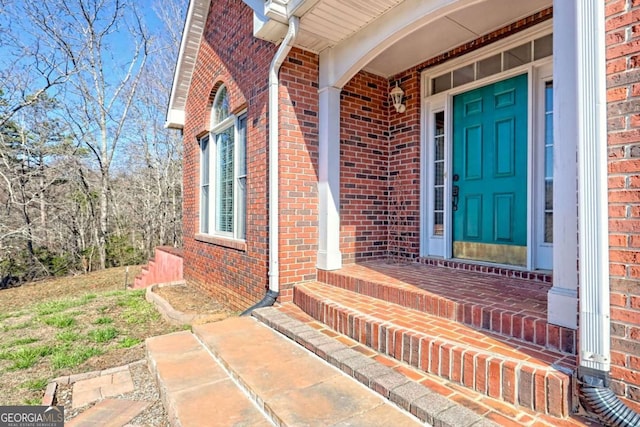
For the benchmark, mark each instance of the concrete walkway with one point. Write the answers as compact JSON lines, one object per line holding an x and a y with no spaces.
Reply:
{"x":239,"y":372}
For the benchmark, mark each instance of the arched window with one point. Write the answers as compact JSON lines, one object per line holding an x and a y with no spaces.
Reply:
{"x":223,"y":171}
{"x":220,"y":106}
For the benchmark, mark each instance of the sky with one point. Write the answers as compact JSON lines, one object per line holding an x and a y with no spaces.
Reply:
{"x":16,"y":29}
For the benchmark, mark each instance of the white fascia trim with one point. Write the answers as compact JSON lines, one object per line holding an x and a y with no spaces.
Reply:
{"x":256,"y":5}
{"x":175,"y":119}
{"x":344,"y":60}
{"x":277,"y":10}
{"x":191,"y":36}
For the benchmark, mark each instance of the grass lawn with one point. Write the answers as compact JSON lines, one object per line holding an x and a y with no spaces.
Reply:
{"x":70,"y":325}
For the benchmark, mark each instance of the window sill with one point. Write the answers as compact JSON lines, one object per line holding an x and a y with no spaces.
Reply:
{"x":239,"y":245}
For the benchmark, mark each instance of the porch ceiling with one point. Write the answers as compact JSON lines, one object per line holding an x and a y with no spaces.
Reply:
{"x":329,"y":22}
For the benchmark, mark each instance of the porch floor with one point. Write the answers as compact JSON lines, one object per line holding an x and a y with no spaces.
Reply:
{"x":527,"y":297}
{"x":511,"y":306}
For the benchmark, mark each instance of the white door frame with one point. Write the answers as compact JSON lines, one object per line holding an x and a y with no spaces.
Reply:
{"x":441,"y":246}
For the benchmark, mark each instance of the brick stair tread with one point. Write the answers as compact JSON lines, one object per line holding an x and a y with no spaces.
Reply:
{"x":518,"y":372}
{"x":448,"y":331}
{"x":507,"y":306}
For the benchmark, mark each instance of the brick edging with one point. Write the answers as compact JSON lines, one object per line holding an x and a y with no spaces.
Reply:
{"x":50,"y":391}
{"x":534,"y":276}
{"x":167,"y":311}
{"x":413,"y":397}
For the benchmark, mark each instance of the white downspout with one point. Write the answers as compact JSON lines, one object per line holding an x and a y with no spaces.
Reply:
{"x":274,"y":101}
{"x":592,"y":188}
{"x":595,"y":318}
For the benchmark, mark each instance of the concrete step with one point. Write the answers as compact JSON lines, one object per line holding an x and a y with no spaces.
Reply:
{"x":449,"y":404}
{"x":195,"y":390}
{"x":241,"y":372}
{"x":519,"y":373}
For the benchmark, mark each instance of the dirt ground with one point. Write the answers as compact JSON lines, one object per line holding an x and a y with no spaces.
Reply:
{"x":189,"y":300}
{"x":112,"y":279}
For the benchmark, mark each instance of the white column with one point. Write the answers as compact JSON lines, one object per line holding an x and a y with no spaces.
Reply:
{"x":329,"y":256}
{"x":563,"y":296}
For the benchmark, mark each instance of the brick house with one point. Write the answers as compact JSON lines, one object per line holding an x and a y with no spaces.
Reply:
{"x":490,"y":171}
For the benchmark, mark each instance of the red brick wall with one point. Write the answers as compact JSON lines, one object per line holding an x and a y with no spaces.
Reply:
{"x":298,"y":157}
{"x":364,"y":184}
{"x":623,"y":110}
{"x":404,"y":170}
{"x":229,"y":54}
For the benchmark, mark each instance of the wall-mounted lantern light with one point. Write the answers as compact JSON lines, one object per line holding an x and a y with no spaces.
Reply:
{"x":396,"y":95}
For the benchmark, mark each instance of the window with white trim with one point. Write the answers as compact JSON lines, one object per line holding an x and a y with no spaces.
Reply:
{"x":525,"y":53}
{"x":223,"y":172}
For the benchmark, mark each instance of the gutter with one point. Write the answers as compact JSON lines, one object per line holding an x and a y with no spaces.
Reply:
{"x":274,"y":141}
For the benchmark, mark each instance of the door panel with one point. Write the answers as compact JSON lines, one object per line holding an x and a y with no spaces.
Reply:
{"x":490,"y":163}
{"x":473,"y":214}
{"x":505,"y":150}
{"x":503,"y":214}
{"x":473,"y":152}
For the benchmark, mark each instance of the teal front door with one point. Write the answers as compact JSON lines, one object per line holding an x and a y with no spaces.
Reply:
{"x":490,"y":173}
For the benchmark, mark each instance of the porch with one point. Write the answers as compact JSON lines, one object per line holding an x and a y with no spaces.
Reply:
{"x":484,"y":328}
{"x":505,"y":301}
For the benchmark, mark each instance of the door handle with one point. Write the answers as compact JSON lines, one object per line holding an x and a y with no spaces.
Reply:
{"x":455,"y":190}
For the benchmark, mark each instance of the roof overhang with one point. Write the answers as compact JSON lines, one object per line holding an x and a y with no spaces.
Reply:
{"x":189,"y":47}
{"x":337,"y":28}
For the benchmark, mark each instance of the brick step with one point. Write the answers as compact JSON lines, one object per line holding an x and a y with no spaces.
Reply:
{"x":460,"y":264}
{"x":510,"y":306}
{"x":137,"y":281}
{"x":517,"y":372}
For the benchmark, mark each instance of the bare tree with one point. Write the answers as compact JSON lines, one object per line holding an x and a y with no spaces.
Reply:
{"x":156,"y":196}
{"x":108,"y":44}
{"x":32,"y":66}
{"x":89,"y":177}
{"x":34,"y":154}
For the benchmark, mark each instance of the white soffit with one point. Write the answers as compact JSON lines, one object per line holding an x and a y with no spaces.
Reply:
{"x":450,"y":31}
{"x":331,"y":21}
